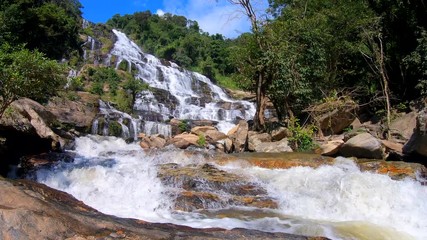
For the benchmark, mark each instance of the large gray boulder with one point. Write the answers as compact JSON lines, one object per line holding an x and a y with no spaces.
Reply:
{"x":255,"y":138}
{"x":363,"y":146}
{"x":418,"y":141}
{"x":403,"y":126}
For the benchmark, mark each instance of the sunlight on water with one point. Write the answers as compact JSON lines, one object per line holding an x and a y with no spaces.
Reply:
{"x":336,"y":201}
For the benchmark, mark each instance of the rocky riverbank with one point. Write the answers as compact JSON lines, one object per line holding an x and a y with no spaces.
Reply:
{"x":29,"y":210}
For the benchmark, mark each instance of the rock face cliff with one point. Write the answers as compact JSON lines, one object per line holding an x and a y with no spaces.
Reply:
{"x":30,"y":210}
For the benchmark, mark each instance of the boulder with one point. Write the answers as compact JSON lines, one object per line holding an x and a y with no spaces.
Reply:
{"x":330,"y":148}
{"x":29,"y":118}
{"x":228,"y":145}
{"x":333,"y":117}
{"x":78,"y":114}
{"x":184,"y":140}
{"x":30,"y":210}
{"x":397,"y":170}
{"x":239,"y":136}
{"x":418,"y":141}
{"x":211,"y":133}
{"x":280,"y":146}
{"x":363,"y":146}
{"x":403,"y":126}
{"x":153,"y":141}
{"x":280,"y":133}
{"x":255,"y":138}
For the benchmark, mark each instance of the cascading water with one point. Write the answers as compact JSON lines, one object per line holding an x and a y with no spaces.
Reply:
{"x":180,"y":94}
{"x":338,"y":201}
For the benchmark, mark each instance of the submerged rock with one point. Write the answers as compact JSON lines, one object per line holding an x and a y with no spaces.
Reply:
{"x":30,"y":210}
{"x":207,"y":187}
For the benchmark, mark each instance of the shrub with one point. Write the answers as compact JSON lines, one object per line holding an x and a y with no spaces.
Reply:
{"x":302,"y":138}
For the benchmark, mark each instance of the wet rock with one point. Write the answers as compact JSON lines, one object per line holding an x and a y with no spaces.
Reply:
{"x":277,"y":160}
{"x":206,"y":187}
{"x":30,"y":210}
{"x":395,"y":169}
{"x":228,"y":145}
{"x":363,"y":146}
{"x":29,"y":163}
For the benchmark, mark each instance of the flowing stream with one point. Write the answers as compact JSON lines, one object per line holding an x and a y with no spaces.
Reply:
{"x":338,"y":201}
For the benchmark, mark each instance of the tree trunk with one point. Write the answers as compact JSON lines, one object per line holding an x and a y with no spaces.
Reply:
{"x":386,"y":89}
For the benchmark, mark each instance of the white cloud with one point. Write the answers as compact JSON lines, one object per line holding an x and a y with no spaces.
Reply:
{"x":160,"y":12}
{"x":214,"y":16}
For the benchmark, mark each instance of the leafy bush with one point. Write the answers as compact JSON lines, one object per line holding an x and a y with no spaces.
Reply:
{"x":202,"y":140}
{"x":114,"y":129}
{"x":302,"y":138}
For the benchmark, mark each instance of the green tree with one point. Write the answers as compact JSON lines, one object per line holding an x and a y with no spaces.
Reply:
{"x":133,"y":87}
{"x":26,"y":73}
{"x":50,"y":26}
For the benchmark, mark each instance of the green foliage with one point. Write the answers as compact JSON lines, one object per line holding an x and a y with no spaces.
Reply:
{"x":50,"y":26}
{"x":76,"y":84}
{"x":302,"y":138}
{"x":183,"y":125}
{"x":114,"y":129}
{"x":202,"y":140}
{"x":26,"y":73}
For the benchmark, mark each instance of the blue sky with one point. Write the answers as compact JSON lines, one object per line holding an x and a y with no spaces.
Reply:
{"x":213,"y":16}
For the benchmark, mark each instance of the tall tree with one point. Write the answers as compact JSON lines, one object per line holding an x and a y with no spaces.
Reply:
{"x":26,"y":73}
{"x":259,"y":73}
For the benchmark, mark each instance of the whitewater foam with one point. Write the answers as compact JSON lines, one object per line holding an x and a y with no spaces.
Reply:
{"x":339,"y":201}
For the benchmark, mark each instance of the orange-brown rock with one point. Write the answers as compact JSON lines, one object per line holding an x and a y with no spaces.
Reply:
{"x":396,"y":170}
{"x":278,"y":160}
{"x":197,"y":187}
{"x":211,"y":133}
{"x":30,"y":210}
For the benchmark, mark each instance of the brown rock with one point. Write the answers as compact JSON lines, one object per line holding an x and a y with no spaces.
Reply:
{"x":211,"y":133}
{"x":206,"y":187}
{"x":280,"y":133}
{"x":396,"y":170}
{"x":228,"y":145}
{"x":278,"y":160}
{"x":33,"y":211}
{"x":78,"y":113}
{"x":239,"y":136}
{"x":31,"y":118}
{"x":331,"y":148}
{"x":334,"y":116}
{"x":183,"y":140}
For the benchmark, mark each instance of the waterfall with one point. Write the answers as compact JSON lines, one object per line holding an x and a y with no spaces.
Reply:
{"x":337,"y":201}
{"x":180,"y":93}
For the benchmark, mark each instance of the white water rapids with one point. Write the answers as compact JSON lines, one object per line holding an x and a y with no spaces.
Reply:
{"x":338,"y":201}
